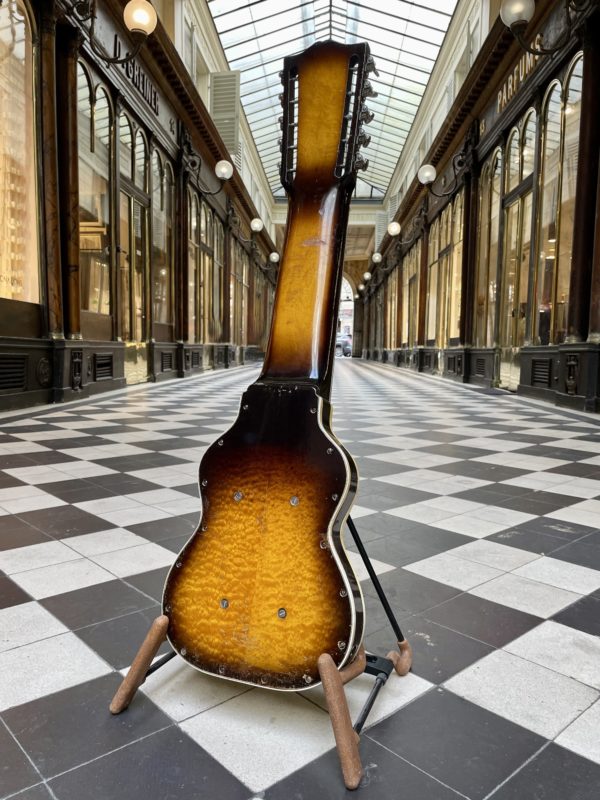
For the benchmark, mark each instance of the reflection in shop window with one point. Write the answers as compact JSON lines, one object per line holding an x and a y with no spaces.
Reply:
{"x":570,"y":155}
{"x":391,"y":320}
{"x":410,"y":294}
{"x":487,"y":255}
{"x":455,"y":286}
{"x":125,"y":147}
{"x":162,"y":239}
{"x":19,"y":224}
{"x":193,"y":264}
{"x":94,"y":125}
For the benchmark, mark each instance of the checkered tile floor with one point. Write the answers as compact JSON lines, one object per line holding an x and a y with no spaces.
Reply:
{"x":481,"y":513}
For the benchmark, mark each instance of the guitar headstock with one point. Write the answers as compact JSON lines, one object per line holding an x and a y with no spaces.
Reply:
{"x":324,"y":113}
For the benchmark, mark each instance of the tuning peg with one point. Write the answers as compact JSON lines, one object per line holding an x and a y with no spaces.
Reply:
{"x":361,"y":163}
{"x":365,"y":114}
{"x":368,"y":90}
{"x":370,"y":66}
{"x":363,"y":138}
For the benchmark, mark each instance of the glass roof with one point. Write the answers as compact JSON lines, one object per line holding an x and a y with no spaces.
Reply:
{"x":404,"y":40}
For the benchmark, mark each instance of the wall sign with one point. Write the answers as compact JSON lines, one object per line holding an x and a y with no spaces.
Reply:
{"x":138,"y":78}
{"x":517,"y":77}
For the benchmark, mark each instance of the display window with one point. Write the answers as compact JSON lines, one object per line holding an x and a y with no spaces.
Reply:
{"x":19,"y":215}
{"x":94,"y":133}
{"x":163,"y":251}
{"x":410,"y":294}
{"x":488,"y":230}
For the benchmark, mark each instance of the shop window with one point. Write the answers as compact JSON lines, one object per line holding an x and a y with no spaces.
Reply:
{"x":391,"y":316}
{"x":19,"y":221}
{"x":410,"y":294}
{"x":548,"y":215}
{"x":432,"y":283}
{"x":238,"y":299}
{"x":125,"y":147}
{"x":455,"y":274}
{"x":141,"y":162}
{"x":487,"y":256}
{"x":193,"y":265}
{"x":570,"y":154}
{"x":528,"y":145}
{"x":94,"y":133}
{"x":162,"y":239}
{"x":513,"y":161}
{"x":218,"y":275}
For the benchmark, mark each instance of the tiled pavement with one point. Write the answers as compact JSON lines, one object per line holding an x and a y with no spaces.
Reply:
{"x":481,"y":513}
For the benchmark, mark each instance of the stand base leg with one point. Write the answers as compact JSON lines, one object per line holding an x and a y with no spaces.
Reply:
{"x":346,"y":738}
{"x":137,"y":672}
{"x":402,"y":661}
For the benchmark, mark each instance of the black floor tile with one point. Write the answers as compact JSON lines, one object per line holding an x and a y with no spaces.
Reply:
{"x":381,"y":502}
{"x":118,"y":640}
{"x":386,"y":777}
{"x":64,"y":521}
{"x":438,"y":652}
{"x":96,"y":603}
{"x":395,"y":496}
{"x":16,"y":771}
{"x":455,"y":450}
{"x":409,"y":593}
{"x":373,"y":468}
{"x":538,"y":503}
{"x":534,"y":541}
{"x":159,"y":529}
{"x":586,"y":555}
{"x":175,"y":544}
{"x":414,"y":544}
{"x":562,"y":453}
{"x":578,"y":470}
{"x":459,"y":743}
{"x":479,"y":469}
{"x":79,"y":491}
{"x":555,"y":527}
{"x":555,"y":774}
{"x":124,"y":484}
{"x":7,"y":481}
{"x":165,"y":766}
{"x":49,"y":456}
{"x":63,"y":716}
{"x":17,"y":460}
{"x":583,"y":615}
{"x":14,"y":532}
{"x":190,"y":488}
{"x":10,"y":593}
{"x":382,"y":524}
{"x":39,"y":792}
{"x":483,"y":620}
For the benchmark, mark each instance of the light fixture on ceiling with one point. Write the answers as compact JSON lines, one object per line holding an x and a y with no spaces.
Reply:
{"x":517,"y":14}
{"x":427,"y":175}
{"x":140,"y":20}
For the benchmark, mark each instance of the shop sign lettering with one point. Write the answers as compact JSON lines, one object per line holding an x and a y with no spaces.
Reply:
{"x":139,"y":79}
{"x":521,"y":71}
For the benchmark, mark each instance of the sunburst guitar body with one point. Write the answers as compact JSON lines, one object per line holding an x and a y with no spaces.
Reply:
{"x":264,"y":586}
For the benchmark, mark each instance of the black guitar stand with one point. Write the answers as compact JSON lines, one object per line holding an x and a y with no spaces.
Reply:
{"x":332,"y":679}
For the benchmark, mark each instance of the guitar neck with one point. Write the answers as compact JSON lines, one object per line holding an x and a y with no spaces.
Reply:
{"x":302,"y":340}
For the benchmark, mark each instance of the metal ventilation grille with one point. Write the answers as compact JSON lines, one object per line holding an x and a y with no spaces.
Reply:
{"x":540,"y":372}
{"x":103,"y":366}
{"x":166,"y":361}
{"x":13,"y":372}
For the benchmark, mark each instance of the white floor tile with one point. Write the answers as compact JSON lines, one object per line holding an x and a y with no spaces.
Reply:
{"x":42,"y":668}
{"x":182,"y":691}
{"x":563,"y":649}
{"x":91,"y":544}
{"x":167,"y":476}
{"x":453,"y":571}
{"x":469,"y":525}
{"x":521,"y":461}
{"x":526,"y":595}
{"x":360,"y":570}
{"x":561,"y":574}
{"x":585,"y":513}
{"x":34,"y":556}
{"x":493,"y":554}
{"x":396,"y":694}
{"x":107,"y":504}
{"x":61,"y":578}
{"x":134,"y":516}
{"x":26,"y":623}
{"x":499,"y":445}
{"x":361,"y":511}
{"x":32,"y":503}
{"x":421,"y":512}
{"x":414,"y":458}
{"x":261,"y":737}
{"x":582,"y":735}
{"x":135,"y":559}
{"x":530,"y":695}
